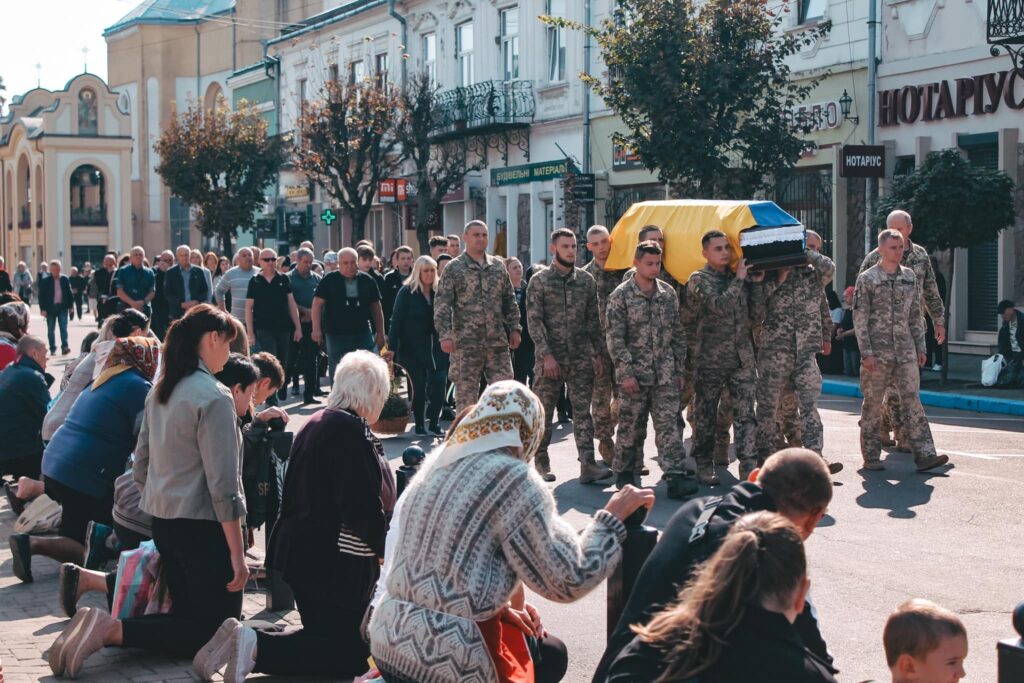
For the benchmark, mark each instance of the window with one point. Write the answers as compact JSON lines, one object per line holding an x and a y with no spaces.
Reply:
{"x":556,"y":43}
{"x":430,"y":56}
{"x":380,"y":69}
{"x":464,"y":52}
{"x":332,"y":72}
{"x":356,"y":71}
{"x":812,"y":9}
{"x":88,"y":196}
{"x":302,"y":96}
{"x":510,"y":43}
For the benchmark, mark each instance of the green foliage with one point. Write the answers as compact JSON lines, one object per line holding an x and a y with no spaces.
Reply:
{"x":703,"y":90}
{"x":953,"y":203}
{"x":221,"y":162}
{"x":3,"y":88}
{"x":347,"y":144}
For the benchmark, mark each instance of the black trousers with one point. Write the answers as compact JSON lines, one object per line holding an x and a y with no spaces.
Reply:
{"x":427,"y":387}
{"x":303,"y":359}
{"x":197,"y":567}
{"x":27,"y":466}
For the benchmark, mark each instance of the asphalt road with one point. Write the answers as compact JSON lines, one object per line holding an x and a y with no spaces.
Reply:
{"x":954,"y":537}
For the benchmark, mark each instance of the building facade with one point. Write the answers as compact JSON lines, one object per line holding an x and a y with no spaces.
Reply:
{"x":65,"y":162}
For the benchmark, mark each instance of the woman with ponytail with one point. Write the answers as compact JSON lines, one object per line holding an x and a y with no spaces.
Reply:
{"x":733,"y":621}
{"x":187,"y":466}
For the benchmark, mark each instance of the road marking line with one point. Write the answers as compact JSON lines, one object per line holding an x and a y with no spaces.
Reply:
{"x":983,"y":456}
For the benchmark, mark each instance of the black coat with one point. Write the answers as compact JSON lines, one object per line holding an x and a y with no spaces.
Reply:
{"x":674,"y":558}
{"x":25,"y":391}
{"x":46,"y":295}
{"x":1004,"y":337}
{"x":411,"y":335}
{"x":392,"y":284}
{"x":5,"y":282}
{"x":174,"y":289}
{"x":764,"y":647}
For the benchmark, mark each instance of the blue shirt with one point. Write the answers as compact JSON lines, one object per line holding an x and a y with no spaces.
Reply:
{"x":186,"y":275}
{"x":90,"y":450}
{"x":137,"y":283}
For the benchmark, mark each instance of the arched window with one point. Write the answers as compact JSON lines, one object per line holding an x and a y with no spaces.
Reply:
{"x":214,"y":95}
{"x":88,"y":196}
{"x":87,"y":112}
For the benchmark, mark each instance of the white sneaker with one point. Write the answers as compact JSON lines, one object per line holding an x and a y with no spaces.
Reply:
{"x":243,"y":655}
{"x":213,"y":656}
{"x":936,"y":368}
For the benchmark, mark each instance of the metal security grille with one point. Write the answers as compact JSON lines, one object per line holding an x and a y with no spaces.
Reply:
{"x":178,"y":212}
{"x":983,"y":260}
{"x":92,"y":253}
{"x":807,"y":196}
{"x":623,"y":198}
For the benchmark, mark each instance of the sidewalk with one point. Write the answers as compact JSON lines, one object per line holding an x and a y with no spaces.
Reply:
{"x":956,"y":393}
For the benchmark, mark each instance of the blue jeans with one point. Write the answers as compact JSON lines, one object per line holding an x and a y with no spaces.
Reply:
{"x":340,"y":344}
{"x":52,"y":319}
{"x":851,"y":362}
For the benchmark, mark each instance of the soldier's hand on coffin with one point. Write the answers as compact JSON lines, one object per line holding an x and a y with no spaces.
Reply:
{"x":742,"y":269}
{"x":550,"y":367}
{"x":630,"y":385}
{"x":783,"y":274}
{"x":598,"y":366}
{"x":514,"y":340}
{"x":757,"y":276}
{"x":870,"y":363}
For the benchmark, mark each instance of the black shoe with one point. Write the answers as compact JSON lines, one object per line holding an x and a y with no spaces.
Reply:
{"x":17,"y":504}
{"x":320,"y":392}
{"x":311,"y":400}
{"x":680,"y":487}
{"x":282,"y":394}
{"x":67,"y":580}
{"x":436,"y":430}
{"x":295,"y":390}
{"x":21,"y":556}
{"x":625,"y":477}
{"x":65,"y":351}
{"x":420,"y":430}
{"x":447,"y":414}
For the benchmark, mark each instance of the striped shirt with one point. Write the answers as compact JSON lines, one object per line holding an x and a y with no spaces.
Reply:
{"x":236,"y":281}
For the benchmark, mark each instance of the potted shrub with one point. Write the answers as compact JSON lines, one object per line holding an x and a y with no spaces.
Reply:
{"x":395,"y":415}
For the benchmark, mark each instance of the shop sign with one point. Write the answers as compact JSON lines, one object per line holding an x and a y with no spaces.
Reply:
{"x":817,"y":117}
{"x":391,"y":190}
{"x":862,"y":161}
{"x":296,"y":192}
{"x":625,"y":159}
{"x":949,"y":99}
{"x":583,"y":186}
{"x":456,"y":194}
{"x":528,"y":173}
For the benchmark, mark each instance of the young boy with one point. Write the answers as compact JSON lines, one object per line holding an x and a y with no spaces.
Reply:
{"x":925,"y":643}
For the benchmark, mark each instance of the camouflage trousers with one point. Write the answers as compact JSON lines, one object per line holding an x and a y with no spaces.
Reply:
{"x":777,"y":370}
{"x":709,"y":386}
{"x":469,"y":363}
{"x":787,"y":424}
{"x":907,"y":381}
{"x":601,"y":401}
{"x":578,"y":377}
{"x":892,"y":415}
{"x":661,"y":402}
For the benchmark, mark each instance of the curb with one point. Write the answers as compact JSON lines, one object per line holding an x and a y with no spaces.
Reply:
{"x":936,"y":399}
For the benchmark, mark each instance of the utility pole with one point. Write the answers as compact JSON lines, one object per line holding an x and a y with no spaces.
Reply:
{"x":872,"y":198}
{"x":587,"y":46}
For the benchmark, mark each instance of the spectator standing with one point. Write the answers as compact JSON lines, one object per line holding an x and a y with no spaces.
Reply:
{"x":1011,"y":332}
{"x":44,"y":272}
{"x":55,"y":299}
{"x":454,"y":245}
{"x":235,"y":284}
{"x":330,"y":262}
{"x":347,"y":313}
{"x":438,"y":244}
{"x":78,"y":285}
{"x":413,"y":340}
{"x":847,"y":336}
{"x":135,"y":284}
{"x":104,"y":279}
{"x":185,"y":285}
{"x":212,"y":263}
{"x":22,"y":282}
{"x":223,"y":266}
{"x":306,"y":352}
{"x":393,"y":281}
{"x":442,"y":262}
{"x":523,"y":357}
{"x":14,"y":319}
{"x":196,"y":259}
{"x":5,"y":278}
{"x":161,"y":317}
{"x":367,"y":261}
{"x":271,"y":316}
{"x":24,"y":385}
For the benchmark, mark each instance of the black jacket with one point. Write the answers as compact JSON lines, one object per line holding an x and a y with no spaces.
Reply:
{"x":389,"y":292}
{"x":174,"y":289}
{"x":24,"y":388}
{"x":764,"y":647}
{"x":674,"y":558}
{"x":46,"y":295}
{"x":1004,"y":337}
{"x":5,"y":282}
{"x":411,"y":334}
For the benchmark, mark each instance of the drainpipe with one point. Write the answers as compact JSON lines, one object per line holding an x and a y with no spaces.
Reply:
{"x":199,"y":95}
{"x":405,"y":37}
{"x":872,"y":197}
{"x":272,"y":69}
{"x":234,"y":39}
{"x":586,"y":109}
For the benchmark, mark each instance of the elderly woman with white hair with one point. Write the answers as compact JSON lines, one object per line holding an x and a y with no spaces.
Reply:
{"x":328,"y":542}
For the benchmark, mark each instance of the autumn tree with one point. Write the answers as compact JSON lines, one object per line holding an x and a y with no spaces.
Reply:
{"x":221,"y":162}
{"x":348,"y":143}
{"x":703,"y":90}
{"x":438,"y":165}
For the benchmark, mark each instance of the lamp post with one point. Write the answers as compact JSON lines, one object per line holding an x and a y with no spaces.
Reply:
{"x":1005,"y":23}
{"x":845,"y":101}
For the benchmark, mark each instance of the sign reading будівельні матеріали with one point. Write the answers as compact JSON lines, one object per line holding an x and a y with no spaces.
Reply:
{"x":528,"y":173}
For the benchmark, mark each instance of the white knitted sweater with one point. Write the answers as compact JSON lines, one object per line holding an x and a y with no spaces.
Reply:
{"x":468,"y":533}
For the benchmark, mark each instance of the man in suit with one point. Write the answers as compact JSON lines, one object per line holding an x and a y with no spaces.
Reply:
{"x":159,"y":322}
{"x":184,"y":285}
{"x":55,"y":299}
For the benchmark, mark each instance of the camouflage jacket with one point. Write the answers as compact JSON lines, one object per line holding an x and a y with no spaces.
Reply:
{"x":645,"y":334}
{"x":607,"y":281}
{"x":887,"y":315}
{"x":724,"y":339}
{"x":475,"y":304}
{"x":561,"y":312}
{"x":792,"y":310}
{"x":916,"y":258}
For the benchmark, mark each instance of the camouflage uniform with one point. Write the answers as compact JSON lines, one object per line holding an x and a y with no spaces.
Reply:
{"x":474,"y":307}
{"x":889,"y":326}
{"x":916,"y":258}
{"x":604,"y":386}
{"x":725,"y":362}
{"x":789,"y":417}
{"x":561,"y":311}
{"x":647,"y":343}
{"x":787,"y":355}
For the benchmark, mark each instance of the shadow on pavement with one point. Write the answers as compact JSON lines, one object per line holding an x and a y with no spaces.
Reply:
{"x":897,"y":490}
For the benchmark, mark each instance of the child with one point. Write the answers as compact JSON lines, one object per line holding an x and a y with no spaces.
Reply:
{"x":925,"y":643}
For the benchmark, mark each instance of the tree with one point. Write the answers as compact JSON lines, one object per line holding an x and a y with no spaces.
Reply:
{"x":438,"y":166}
{"x":221,"y":162}
{"x":953,"y":204}
{"x":3,"y":88}
{"x":347,"y":144}
{"x":703,"y":90}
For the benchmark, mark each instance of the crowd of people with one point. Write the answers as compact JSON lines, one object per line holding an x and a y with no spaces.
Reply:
{"x":157,"y":437}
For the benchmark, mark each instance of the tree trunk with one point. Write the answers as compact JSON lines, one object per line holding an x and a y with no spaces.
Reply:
{"x":359,"y":215}
{"x":225,"y":243}
{"x":944,"y":349}
{"x":424,"y":207}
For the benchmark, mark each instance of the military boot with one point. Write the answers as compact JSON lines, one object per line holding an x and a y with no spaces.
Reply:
{"x":721,"y":458}
{"x":747,"y":468}
{"x":606,"y":447}
{"x":833,"y":467}
{"x":592,"y":472}
{"x":543,"y":464}
{"x":706,"y":474}
{"x":626,"y":477}
{"x":680,"y":487}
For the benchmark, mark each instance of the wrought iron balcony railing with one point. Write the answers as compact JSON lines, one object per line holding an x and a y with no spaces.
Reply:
{"x":483,"y":108}
{"x":1006,"y":30}
{"x":89,"y":215}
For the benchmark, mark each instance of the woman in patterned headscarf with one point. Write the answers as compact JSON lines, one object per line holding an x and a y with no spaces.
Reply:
{"x":90,"y":450}
{"x":13,"y":326}
{"x":476,"y":524}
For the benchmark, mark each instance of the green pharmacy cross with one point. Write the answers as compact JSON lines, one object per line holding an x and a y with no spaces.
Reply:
{"x":328,"y":217}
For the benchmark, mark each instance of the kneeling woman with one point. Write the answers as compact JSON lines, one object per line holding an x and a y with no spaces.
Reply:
{"x":733,"y":622}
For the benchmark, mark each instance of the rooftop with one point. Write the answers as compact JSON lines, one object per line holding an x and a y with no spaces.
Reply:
{"x":171,"y":12}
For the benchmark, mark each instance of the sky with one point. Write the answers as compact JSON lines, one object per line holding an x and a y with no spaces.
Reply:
{"x":52,"y":33}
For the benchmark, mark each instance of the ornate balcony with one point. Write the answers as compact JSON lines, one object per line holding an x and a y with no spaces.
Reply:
{"x":495,"y":113}
{"x":1006,"y":28}
{"x":89,"y":216}
{"x":25,"y":219}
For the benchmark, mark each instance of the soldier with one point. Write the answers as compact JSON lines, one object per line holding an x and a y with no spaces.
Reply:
{"x":788,"y":421}
{"x":791,"y":337}
{"x":473,"y":307}
{"x":561,"y":310}
{"x":916,"y":258}
{"x":648,"y":347}
{"x":599,"y":244}
{"x":890,"y":332}
{"x":726,"y":357}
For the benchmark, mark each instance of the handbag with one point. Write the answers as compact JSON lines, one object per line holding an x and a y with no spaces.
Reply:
{"x":990,"y":369}
{"x":140,"y":588}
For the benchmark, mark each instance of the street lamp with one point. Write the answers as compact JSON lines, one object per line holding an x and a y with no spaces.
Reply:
{"x":844,"y":106}
{"x":1006,"y":29}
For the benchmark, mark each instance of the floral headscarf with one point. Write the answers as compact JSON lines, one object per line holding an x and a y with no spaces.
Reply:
{"x":14,"y":317}
{"x":130,"y":353}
